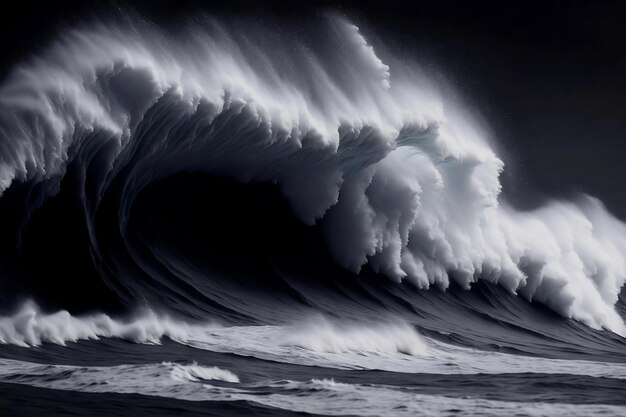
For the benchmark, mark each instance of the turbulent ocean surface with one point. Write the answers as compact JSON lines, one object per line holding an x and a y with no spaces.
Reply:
{"x":236,"y":218}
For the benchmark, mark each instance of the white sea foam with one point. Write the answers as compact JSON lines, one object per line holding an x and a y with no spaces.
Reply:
{"x":318,"y":396}
{"x":391,"y":346}
{"x":197,"y":373}
{"x":324,"y":336}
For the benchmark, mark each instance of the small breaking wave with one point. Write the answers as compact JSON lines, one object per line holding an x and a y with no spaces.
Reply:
{"x":324,"y":336}
{"x":198,"y":373}
{"x":30,"y":327}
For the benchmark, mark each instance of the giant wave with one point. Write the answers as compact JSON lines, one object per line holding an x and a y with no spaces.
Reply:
{"x":398,"y":182}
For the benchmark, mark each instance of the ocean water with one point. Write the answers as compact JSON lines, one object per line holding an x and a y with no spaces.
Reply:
{"x":238,"y":219}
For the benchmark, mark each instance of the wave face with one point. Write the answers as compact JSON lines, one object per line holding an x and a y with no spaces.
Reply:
{"x":257,"y":177}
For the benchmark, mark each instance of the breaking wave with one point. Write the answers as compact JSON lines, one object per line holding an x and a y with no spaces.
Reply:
{"x":324,"y":336}
{"x":197,"y":373}
{"x":228,"y":176}
{"x":29,"y":327}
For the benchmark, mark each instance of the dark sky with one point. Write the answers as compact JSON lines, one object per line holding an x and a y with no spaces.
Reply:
{"x":549,"y":78}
